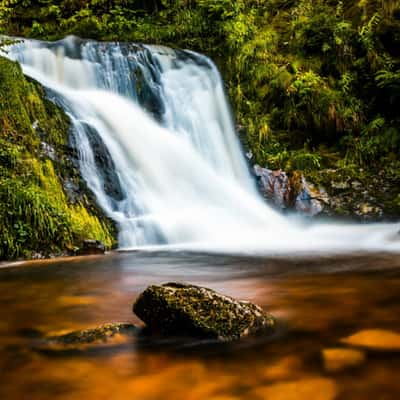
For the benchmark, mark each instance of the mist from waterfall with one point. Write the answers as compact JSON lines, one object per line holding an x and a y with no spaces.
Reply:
{"x":175,"y":174}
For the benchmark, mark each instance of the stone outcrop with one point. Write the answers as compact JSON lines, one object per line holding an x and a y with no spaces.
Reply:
{"x":179,"y":309}
{"x":289,"y":192}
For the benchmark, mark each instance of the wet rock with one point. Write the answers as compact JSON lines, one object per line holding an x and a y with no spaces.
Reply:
{"x":366,"y":209}
{"x":98,"y":335}
{"x":275,"y":186}
{"x":37,"y":256}
{"x":340,"y":185}
{"x":72,"y":190}
{"x":92,"y":247}
{"x":339,"y":359}
{"x":149,"y":95}
{"x":292,"y":192}
{"x":187,"y":310}
{"x":48,"y":151}
{"x":105,"y":165}
{"x":310,"y":200}
{"x":375,"y":339}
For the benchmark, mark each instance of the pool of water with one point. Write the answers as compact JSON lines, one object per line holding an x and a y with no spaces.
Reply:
{"x":318,"y":302}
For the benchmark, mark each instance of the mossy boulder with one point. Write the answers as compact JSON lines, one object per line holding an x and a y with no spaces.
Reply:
{"x":179,"y":309}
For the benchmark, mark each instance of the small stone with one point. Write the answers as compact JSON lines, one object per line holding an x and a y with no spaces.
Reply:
{"x":37,"y":256}
{"x":100,"y":334}
{"x":186,"y":310}
{"x":375,"y":339}
{"x":356,"y":185}
{"x":340,"y":185}
{"x":366,"y":208}
{"x":49,"y":151}
{"x":339,"y":359}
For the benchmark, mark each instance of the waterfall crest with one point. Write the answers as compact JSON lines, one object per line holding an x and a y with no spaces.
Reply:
{"x":157,"y":147}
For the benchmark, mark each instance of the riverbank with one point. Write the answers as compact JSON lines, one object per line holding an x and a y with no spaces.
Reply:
{"x":52,"y":260}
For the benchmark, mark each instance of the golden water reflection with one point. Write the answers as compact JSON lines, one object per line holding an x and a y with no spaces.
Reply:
{"x":338,"y":335}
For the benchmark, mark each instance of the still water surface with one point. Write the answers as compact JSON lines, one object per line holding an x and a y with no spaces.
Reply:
{"x":318,"y":302}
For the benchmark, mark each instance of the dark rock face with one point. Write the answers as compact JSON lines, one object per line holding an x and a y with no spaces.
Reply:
{"x":105,"y":164}
{"x":91,"y":247}
{"x":289,"y":192}
{"x":186,"y":310}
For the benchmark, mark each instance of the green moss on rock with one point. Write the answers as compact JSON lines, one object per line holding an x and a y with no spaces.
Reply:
{"x":187,"y":310}
{"x":360,"y":194}
{"x":36,"y":214}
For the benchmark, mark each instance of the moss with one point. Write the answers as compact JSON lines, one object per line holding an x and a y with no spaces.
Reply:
{"x":36,"y":215}
{"x":358,"y":193}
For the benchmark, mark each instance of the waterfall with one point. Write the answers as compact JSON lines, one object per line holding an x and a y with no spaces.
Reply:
{"x":158,"y":148}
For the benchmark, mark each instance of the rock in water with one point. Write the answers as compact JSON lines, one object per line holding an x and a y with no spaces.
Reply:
{"x":188,"y":310}
{"x":100,"y":334}
{"x":92,"y":247}
{"x":290,"y":192}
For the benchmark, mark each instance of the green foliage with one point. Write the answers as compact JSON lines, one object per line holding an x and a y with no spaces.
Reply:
{"x":35,"y":214}
{"x":30,"y":220}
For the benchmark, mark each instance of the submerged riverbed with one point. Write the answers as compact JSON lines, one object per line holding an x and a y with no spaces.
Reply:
{"x":317,"y":301}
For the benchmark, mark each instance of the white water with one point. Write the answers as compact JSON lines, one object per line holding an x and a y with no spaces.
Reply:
{"x":184,"y":179}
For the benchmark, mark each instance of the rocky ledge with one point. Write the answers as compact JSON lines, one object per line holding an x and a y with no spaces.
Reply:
{"x":357,"y":195}
{"x":106,"y":334}
{"x":179,"y":309}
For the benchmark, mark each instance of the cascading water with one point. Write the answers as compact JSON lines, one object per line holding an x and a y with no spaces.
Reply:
{"x":157,"y":146}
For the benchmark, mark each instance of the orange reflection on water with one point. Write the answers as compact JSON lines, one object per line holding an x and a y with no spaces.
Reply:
{"x":337,"y":337}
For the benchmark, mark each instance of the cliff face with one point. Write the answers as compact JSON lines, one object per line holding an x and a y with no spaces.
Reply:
{"x":45,"y":207}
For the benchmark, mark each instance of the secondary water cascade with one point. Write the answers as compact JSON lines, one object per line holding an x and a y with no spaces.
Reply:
{"x":158,"y":148}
